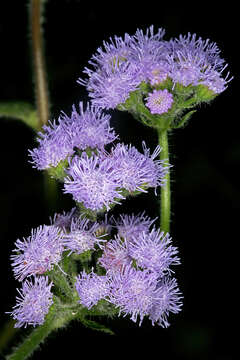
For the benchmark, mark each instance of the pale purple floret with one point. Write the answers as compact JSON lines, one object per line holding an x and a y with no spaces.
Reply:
{"x":83,"y":129}
{"x":38,"y":253}
{"x":153,"y":251}
{"x":92,"y":181}
{"x":196,"y":61}
{"x":91,"y":288}
{"x":137,"y":171}
{"x":133,"y":292}
{"x":168,"y":299}
{"x":115,"y":255}
{"x":157,"y":73}
{"x":82,"y":236}
{"x":159,"y":101}
{"x":130,"y":226}
{"x":112,"y":84}
{"x":33,"y":302}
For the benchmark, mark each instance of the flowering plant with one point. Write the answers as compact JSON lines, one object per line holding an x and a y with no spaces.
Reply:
{"x":87,"y":262}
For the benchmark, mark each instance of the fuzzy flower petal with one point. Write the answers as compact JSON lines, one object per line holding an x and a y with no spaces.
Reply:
{"x":133,"y":292}
{"x":83,"y":129}
{"x":153,"y":251}
{"x":168,"y":299}
{"x":130,"y":226}
{"x":37,"y":253}
{"x":81,"y":236}
{"x":92,"y":182}
{"x":137,"y":171}
{"x":91,"y":288}
{"x":33,"y":302}
{"x":115,"y":255}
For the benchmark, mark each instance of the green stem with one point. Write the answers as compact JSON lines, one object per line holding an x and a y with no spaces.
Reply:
{"x":39,"y":70}
{"x":165,"y":201}
{"x":54,"y":320}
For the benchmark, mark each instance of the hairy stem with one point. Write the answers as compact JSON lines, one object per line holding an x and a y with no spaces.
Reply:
{"x":39,"y":70}
{"x":54,"y":320}
{"x":165,"y":201}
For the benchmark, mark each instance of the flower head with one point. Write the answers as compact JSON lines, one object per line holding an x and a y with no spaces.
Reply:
{"x":81,"y":236}
{"x":37,"y":253}
{"x":115,"y":255}
{"x":133,"y":291}
{"x":136,"y":171}
{"x":33,"y":302}
{"x":196,"y":61}
{"x":83,"y":129}
{"x":159,"y":101}
{"x":91,"y":288}
{"x":168,"y":299}
{"x":153,"y":251}
{"x":112,"y":84}
{"x":92,"y":181}
{"x":130,"y":226}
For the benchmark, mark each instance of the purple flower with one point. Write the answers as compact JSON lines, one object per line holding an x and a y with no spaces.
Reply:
{"x":133,"y":291}
{"x":88,"y":128}
{"x":159,"y":101}
{"x":196,"y":61}
{"x":157,"y":73}
{"x":115,"y":255}
{"x":92,"y":181}
{"x":91,"y":288}
{"x":130,"y":226}
{"x":38,"y":253}
{"x":138,"y":171}
{"x":112,"y":84}
{"x":82,"y":236}
{"x":168,"y":298}
{"x":153,"y":251}
{"x":148,"y":52}
{"x":33,"y":302}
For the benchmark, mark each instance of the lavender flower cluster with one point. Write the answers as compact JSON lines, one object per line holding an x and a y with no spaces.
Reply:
{"x":123,"y":65}
{"x":135,"y":267}
{"x":94,"y":177}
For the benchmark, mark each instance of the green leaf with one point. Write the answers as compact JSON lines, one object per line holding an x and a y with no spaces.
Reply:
{"x":95,"y":326}
{"x":20,"y":111}
{"x":184,"y":120}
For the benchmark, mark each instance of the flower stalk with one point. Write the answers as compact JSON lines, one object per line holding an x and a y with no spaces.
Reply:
{"x":39,"y":69}
{"x":165,"y":200}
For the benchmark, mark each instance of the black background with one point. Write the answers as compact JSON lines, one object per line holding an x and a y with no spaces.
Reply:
{"x":205,"y":157}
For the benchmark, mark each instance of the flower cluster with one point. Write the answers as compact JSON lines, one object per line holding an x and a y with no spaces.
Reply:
{"x":164,"y":69}
{"x":87,"y":128}
{"x":137,"y":276}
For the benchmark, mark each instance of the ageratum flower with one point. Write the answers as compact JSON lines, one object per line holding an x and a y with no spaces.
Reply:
{"x":138,"y":171}
{"x":159,"y":101}
{"x":38,"y":253}
{"x":33,"y":302}
{"x":133,"y":291}
{"x":122,"y":65}
{"x":91,"y":288}
{"x":130,"y":226}
{"x":115,"y":255}
{"x":83,"y":129}
{"x":153,"y":251}
{"x":112,"y":84}
{"x":168,"y":299}
{"x":82,"y":236}
{"x":92,"y":181}
{"x":196,"y":61}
